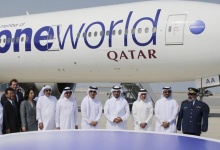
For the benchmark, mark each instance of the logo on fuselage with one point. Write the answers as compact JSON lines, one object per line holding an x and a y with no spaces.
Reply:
{"x":197,"y":27}
{"x":42,"y":43}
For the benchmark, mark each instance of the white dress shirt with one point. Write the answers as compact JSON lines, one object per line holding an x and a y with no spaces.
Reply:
{"x":142,"y":111}
{"x":166,"y":110}
{"x":46,"y":108}
{"x":116,"y":108}
{"x":91,"y":110}
{"x":66,"y":113}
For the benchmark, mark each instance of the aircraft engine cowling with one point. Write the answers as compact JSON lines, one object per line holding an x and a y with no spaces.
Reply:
{"x":57,"y":88}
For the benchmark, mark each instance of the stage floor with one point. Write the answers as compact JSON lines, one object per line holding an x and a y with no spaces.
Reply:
{"x":104,"y":140}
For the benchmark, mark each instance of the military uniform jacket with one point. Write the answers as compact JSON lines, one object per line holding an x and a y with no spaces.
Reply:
{"x":193,"y":118}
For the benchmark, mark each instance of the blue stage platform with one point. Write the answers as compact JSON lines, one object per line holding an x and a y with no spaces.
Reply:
{"x":104,"y":140}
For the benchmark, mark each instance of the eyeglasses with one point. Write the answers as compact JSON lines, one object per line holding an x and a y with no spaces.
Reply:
{"x":68,"y":93}
{"x":49,"y":90}
{"x":167,"y":92}
{"x":92,"y":91}
{"x":191,"y":94}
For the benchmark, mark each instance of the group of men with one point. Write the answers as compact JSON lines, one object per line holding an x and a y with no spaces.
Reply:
{"x":192,"y":116}
{"x":62,"y":114}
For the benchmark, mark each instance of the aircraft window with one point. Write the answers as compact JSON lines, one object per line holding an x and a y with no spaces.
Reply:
{"x":90,"y":34}
{"x":8,"y":40}
{"x":126,"y":31}
{"x":95,"y":33}
{"x":132,"y":31}
{"x":4,"y":40}
{"x":154,"y":30}
{"x":139,"y":30}
{"x":84,"y":34}
{"x":0,"y":40}
{"x":146,"y":30}
{"x":17,"y":40}
{"x":107,"y":33}
{"x":120,"y":32}
{"x":78,"y":35}
{"x":22,"y":39}
{"x":113,"y":32}
{"x":101,"y":33}
{"x":12,"y":40}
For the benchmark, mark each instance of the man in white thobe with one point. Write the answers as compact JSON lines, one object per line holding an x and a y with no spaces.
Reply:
{"x":91,"y":109}
{"x":46,"y":107}
{"x":66,"y":111}
{"x":116,"y":110}
{"x":1,"y":118}
{"x":142,"y":111}
{"x":166,"y":111}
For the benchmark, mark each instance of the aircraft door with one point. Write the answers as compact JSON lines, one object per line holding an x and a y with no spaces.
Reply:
{"x":175,"y":29}
{"x":53,"y":38}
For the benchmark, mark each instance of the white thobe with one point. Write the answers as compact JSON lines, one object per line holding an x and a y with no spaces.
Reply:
{"x":1,"y":118}
{"x":46,"y":108}
{"x":142,"y":111}
{"x":66,"y":113}
{"x":166,"y":110}
{"x":91,"y":110}
{"x":116,"y":108}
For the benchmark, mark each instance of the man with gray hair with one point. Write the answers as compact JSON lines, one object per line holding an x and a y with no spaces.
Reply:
{"x":116,"y":110}
{"x":46,"y":108}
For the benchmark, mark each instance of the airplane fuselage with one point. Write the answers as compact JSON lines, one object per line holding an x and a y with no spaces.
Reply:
{"x":137,"y":42}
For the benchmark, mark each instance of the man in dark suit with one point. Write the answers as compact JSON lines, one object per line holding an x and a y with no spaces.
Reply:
{"x":11,"y":117}
{"x":18,"y":95}
{"x":193,"y":115}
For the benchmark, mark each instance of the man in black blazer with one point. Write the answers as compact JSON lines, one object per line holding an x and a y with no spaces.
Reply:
{"x":193,"y":115}
{"x":11,"y":117}
{"x":18,"y":95}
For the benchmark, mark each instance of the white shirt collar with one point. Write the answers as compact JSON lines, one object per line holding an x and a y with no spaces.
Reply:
{"x":91,"y":98}
{"x":117,"y":99}
{"x":70,"y":99}
{"x":10,"y":101}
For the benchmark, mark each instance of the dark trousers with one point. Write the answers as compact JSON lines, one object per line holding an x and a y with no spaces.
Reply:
{"x":191,"y":133}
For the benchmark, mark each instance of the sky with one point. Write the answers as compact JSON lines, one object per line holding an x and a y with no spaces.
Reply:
{"x":19,"y":7}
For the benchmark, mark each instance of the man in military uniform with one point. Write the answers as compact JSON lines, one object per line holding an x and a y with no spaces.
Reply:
{"x":193,"y":115}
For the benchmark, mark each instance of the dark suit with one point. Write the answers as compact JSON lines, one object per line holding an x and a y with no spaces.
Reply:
{"x":11,"y":117}
{"x":18,"y":98}
{"x":193,"y":118}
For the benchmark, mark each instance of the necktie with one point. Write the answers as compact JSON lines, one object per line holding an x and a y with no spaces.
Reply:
{"x":13,"y":104}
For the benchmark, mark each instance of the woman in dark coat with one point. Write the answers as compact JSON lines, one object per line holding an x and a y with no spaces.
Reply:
{"x":28,"y":112}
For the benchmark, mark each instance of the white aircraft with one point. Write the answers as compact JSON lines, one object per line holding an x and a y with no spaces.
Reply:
{"x":129,"y":43}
